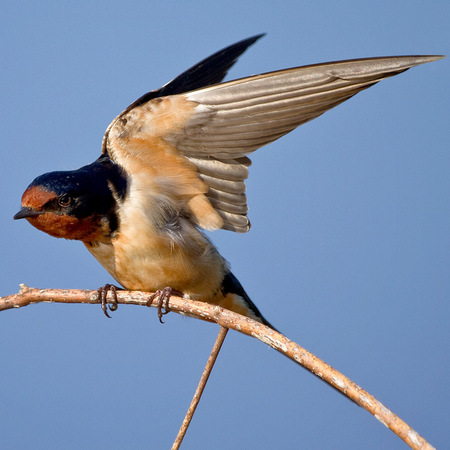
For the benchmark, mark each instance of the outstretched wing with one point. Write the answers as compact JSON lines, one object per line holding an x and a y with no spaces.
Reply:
{"x":191,"y":147}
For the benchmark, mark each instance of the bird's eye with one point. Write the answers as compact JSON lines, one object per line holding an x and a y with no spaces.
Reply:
{"x":65,"y":200}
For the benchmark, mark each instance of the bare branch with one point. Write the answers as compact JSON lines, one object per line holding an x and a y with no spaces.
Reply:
{"x":245,"y":325}
{"x":201,"y":386}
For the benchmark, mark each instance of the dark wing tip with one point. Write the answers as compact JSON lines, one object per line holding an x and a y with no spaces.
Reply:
{"x":210,"y":70}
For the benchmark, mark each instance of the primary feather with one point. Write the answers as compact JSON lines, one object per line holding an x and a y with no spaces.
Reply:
{"x":211,"y":129}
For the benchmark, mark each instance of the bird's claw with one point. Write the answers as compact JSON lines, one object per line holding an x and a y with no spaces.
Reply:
{"x":102,"y":298}
{"x":162,"y":296}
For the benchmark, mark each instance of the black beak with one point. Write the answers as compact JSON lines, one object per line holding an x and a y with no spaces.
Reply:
{"x":26,"y":212}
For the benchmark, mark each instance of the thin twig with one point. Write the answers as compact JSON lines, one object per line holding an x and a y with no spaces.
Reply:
{"x":201,"y":386}
{"x":245,"y":325}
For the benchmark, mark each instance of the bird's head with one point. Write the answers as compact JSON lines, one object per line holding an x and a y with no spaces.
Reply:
{"x":79,"y":204}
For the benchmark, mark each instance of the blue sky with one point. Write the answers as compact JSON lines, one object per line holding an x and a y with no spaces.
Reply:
{"x":349,"y":253}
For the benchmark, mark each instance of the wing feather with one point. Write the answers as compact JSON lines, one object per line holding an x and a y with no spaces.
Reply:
{"x":236,"y":118}
{"x":193,"y":146}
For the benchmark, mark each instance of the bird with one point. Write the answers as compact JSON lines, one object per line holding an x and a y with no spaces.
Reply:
{"x":174,"y":163}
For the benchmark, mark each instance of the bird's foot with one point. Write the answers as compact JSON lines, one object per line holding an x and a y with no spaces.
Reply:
{"x":102,"y":298}
{"x":162,"y":297}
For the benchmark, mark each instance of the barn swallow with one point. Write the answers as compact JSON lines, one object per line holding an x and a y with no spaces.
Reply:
{"x":175,"y":162}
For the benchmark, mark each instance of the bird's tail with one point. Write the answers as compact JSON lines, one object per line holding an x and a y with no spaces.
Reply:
{"x":241,"y":301}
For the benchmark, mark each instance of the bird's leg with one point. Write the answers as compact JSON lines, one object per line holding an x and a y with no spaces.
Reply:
{"x":163,"y":296}
{"x":103,"y":293}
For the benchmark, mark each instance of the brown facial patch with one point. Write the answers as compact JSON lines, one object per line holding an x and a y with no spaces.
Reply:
{"x":69,"y":227}
{"x":58,"y":224}
{"x":36,"y":197}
